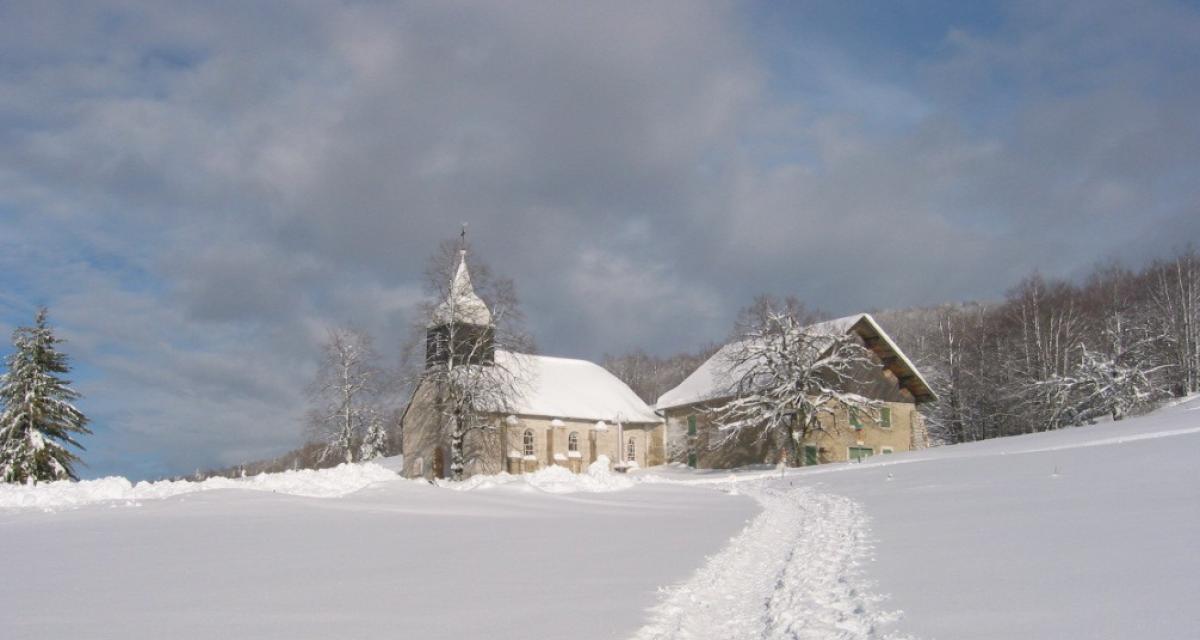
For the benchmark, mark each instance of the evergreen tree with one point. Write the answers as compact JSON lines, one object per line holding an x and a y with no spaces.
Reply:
{"x":38,"y":420}
{"x":374,"y":444}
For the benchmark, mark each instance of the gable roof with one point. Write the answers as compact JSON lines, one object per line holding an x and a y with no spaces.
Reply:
{"x":713,"y":380}
{"x":570,"y":388}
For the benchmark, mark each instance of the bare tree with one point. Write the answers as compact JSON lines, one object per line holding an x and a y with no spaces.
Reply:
{"x":346,"y":392}
{"x":1176,"y":302}
{"x":651,"y":376}
{"x":785,"y":375}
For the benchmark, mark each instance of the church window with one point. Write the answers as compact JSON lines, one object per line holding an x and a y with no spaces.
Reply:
{"x":528,"y":442}
{"x":573,"y":442}
{"x":631,"y":451}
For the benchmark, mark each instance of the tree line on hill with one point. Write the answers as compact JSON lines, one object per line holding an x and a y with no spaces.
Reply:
{"x":1057,"y":353}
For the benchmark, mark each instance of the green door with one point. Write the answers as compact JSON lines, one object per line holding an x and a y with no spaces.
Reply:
{"x":857,"y":454}
{"x":810,"y":455}
{"x":692,"y":460}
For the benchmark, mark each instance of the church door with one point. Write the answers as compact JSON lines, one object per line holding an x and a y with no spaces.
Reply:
{"x":439,"y":463}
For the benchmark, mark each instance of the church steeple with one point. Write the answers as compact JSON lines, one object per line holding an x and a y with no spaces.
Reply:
{"x":460,"y":327}
{"x":462,"y":304}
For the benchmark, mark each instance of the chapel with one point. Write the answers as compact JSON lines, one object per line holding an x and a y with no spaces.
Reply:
{"x":558,"y":411}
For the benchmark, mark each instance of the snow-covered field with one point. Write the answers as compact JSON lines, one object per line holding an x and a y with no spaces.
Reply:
{"x":1082,"y":533}
{"x":512,"y":559}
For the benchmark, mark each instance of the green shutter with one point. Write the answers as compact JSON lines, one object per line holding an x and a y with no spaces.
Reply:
{"x":854,"y":421}
{"x":691,"y":425}
{"x":692,"y":460}
{"x":810,"y":455}
{"x":885,"y":417}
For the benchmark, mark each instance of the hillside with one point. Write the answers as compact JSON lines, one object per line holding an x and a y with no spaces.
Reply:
{"x":1079,"y":533}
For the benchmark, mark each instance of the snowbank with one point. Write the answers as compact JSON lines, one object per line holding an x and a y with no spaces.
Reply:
{"x":323,"y":483}
{"x":554,"y":479}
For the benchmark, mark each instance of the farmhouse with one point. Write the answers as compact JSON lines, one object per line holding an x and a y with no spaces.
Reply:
{"x":892,"y":381}
{"x":560,"y":411}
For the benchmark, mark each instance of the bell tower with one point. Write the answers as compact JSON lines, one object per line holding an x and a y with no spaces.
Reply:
{"x":460,"y":330}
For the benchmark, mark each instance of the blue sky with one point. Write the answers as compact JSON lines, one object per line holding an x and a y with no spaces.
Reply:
{"x":197,"y":190}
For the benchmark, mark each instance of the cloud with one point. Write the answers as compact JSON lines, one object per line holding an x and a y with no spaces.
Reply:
{"x":197,"y":190}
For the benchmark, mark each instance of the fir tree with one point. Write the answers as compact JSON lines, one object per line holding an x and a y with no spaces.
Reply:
{"x":374,"y":444}
{"x":38,"y":420}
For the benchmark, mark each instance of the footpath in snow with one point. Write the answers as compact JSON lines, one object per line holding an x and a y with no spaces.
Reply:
{"x":794,"y":572}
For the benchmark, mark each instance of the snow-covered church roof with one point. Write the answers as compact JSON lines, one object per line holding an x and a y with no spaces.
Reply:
{"x":461,"y":303}
{"x":569,"y":388}
{"x":713,"y":379}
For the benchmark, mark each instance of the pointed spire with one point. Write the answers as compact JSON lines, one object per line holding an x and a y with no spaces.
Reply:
{"x":461,"y":303}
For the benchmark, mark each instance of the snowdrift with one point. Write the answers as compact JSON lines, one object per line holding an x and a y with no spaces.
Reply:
{"x":598,"y":479}
{"x":324,"y":483}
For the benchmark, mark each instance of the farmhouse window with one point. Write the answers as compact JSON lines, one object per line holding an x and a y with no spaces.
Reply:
{"x":573,"y":441}
{"x":858,"y":454}
{"x":528,"y":442}
{"x":691,"y":425}
{"x":885,"y":418}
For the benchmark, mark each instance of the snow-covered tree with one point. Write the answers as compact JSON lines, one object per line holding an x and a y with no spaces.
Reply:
{"x":785,"y":375}
{"x":38,"y":422}
{"x":345,"y":392}
{"x":1101,"y":386}
{"x":374,"y":444}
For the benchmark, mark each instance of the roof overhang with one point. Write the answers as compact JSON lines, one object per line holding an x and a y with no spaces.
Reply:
{"x":893,"y":359}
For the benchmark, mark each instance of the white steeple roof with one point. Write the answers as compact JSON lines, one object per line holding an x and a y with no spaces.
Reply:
{"x":461,"y":304}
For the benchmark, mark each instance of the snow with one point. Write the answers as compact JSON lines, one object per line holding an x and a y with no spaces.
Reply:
{"x":325,"y":483}
{"x":461,"y":303}
{"x":552,"y":479}
{"x":1078,"y":533}
{"x":563,"y":388}
{"x":396,"y":559}
{"x":793,"y":573}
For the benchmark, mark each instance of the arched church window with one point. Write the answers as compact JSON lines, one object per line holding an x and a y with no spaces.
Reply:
{"x":573,"y":442}
{"x":631,"y":451}
{"x":528,"y":442}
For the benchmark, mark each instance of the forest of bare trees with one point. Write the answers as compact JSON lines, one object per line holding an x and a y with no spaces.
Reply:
{"x":1057,"y":353}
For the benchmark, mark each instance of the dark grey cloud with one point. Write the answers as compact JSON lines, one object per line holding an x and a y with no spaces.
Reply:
{"x":199,"y":189}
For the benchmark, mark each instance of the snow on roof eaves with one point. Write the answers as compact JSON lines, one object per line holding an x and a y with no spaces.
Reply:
{"x":575,"y":389}
{"x":711,"y":381}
